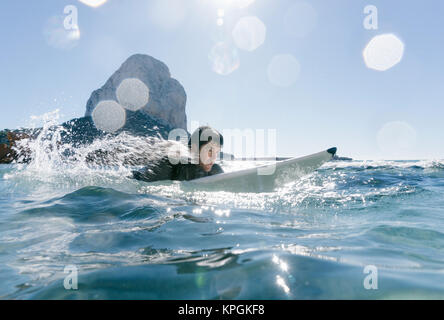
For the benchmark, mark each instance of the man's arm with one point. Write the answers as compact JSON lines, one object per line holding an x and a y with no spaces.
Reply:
{"x":161,"y":171}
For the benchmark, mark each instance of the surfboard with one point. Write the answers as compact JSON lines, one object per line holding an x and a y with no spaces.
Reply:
{"x":267,"y":177}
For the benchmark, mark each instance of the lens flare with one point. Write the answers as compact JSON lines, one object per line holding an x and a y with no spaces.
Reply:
{"x":132,"y":94}
{"x":220,"y":16}
{"x":167,"y":14}
{"x":249,"y":33}
{"x":93,"y":3}
{"x":57,"y":36}
{"x":383,"y":52}
{"x":74,"y":34}
{"x":109,"y":116}
{"x":224,"y":58}
{"x":283,"y":70}
{"x":241,"y":4}
{"x":396,"y":137}
{"x":244,"y":3}
{"x":300,"y":19}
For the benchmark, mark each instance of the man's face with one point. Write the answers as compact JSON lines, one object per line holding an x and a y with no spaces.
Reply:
{"x":208,"y":155}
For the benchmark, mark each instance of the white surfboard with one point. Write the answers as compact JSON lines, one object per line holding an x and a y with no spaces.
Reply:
{"x":267,"y":177}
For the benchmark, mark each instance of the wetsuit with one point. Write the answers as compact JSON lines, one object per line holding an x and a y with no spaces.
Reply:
{"x":164,"y":170}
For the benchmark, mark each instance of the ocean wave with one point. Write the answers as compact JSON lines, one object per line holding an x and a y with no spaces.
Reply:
{"x":408,"y":235}
{"x":431,"y":164}
{"x":97,"y":204}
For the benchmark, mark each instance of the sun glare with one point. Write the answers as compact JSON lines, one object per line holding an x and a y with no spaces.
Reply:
{"x":241,"y":4}
{"x":93,"y":3}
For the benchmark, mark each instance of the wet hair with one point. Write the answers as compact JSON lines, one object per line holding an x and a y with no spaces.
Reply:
{"x":204,"y":135}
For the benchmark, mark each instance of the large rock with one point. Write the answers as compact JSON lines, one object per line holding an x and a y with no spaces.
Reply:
{"x":167,"y":96}
{"x":8,"y":141}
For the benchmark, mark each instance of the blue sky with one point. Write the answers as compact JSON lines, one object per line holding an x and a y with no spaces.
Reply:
{"x":335,"y":101}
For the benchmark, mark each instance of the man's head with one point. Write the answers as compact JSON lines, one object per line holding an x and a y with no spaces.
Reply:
{"x":207,"y":143}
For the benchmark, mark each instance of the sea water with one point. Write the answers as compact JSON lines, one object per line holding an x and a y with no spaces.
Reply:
{"x":350,"y":230}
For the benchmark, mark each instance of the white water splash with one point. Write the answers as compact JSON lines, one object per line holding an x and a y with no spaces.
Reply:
{"x":57,"y":165}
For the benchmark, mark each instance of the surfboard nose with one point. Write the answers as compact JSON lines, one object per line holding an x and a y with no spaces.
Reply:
{"x":332,"y":151}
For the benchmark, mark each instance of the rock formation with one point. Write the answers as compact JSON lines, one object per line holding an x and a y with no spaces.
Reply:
{"x":167,"y":97}
{"x":7,"y":151}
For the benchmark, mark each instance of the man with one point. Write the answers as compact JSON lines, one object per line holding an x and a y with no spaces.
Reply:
{"x":205,"y":144}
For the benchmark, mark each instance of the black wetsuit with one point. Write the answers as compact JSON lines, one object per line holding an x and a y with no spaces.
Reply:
{"x":164,"y":170}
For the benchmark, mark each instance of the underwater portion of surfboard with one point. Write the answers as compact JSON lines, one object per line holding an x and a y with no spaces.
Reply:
{"x":265,"y":178}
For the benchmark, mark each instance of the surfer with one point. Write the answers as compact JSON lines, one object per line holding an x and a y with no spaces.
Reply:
{"x":204,"y":145}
